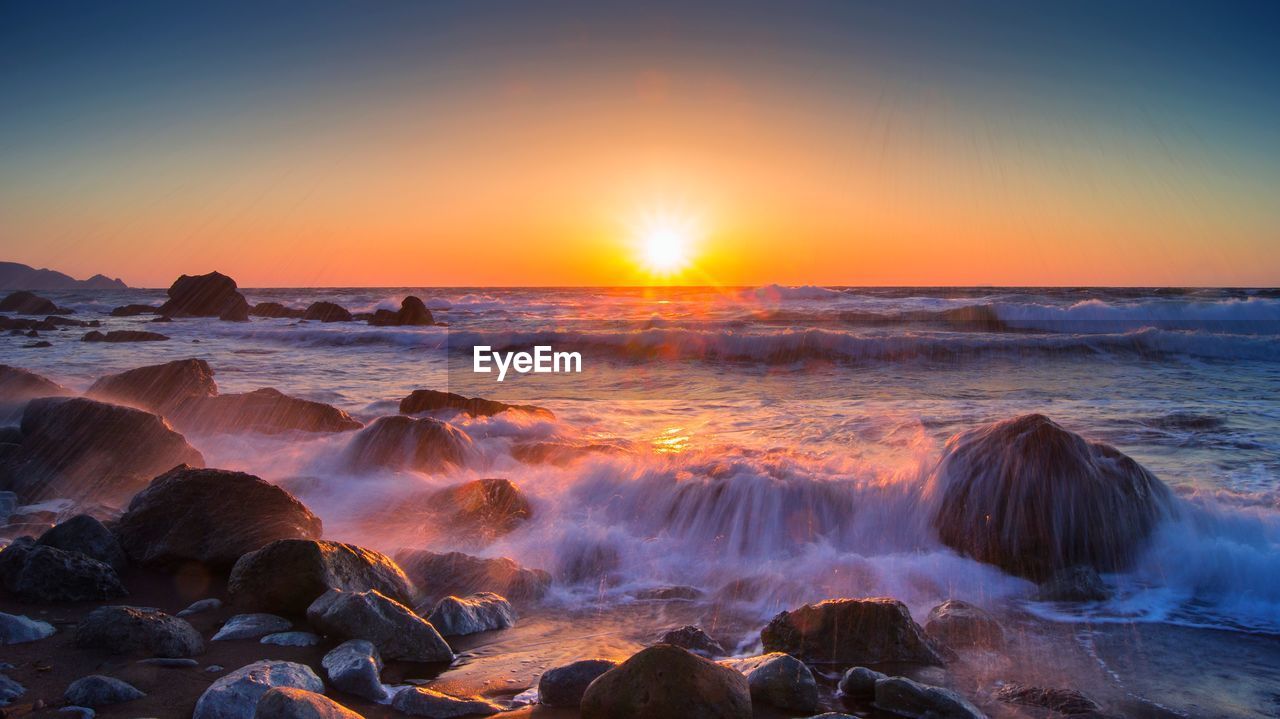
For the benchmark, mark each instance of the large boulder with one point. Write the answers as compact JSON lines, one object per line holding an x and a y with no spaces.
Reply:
{"x":236,"y":695}
{"x":960,"y":625}
{"x":123,"y":630}
{"x":19,"y":385}
{"x":425,"y":702}
{"x":666,"y":681}
{"x":37,"y":573}
{"x":97,"y":690}
{"x":412,"y":312}
{"x":779,"y":680}
{"x":390,"y":626}
{"x":88,"y":536}
{"x":165,"y":389}
{"x":563,"y":686}
{"x":439,"y":575}
{"x":904,"y":697}
{"x":29,"y":303}
{"x":355,"y":667}
{"x":433,"y":400}
{"x":86,"y":450}
{"x":1032,"y":498}
{"x":483,"y":612}
{"x":211,"y":516}
{"x":211,"y":295}
{"x":850,"y":631}
{"x":287,"y":575}
{"x":423,"y":445}
{"x":479,"y":510}
{"x":291,"y":703}
{"x":326,"y":312}
{"x":266,"y":410}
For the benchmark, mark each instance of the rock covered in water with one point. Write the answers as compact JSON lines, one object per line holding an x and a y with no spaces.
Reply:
{"x":1074,"y":584}
{"x":291,"y":703}
{"x":211,"y":295}
{"x":1067,"y":702}
{"x":439,"y":575}
{"x":266,"y":410}
{"x":165,"y":389}
{"x":211,"y":516}
{"x":860,"y":683}
{"x":779,"y":680}
{"x":19,"y":385}
{"x":236,"y":695}
{"x":1032,"y":498}
{"x":392,"y":627}
{"x":678,"y":593}
{"x":97,"y":690}
{"x":960,"y":624}
{"x":23,"y":302}
{"x":850,"y":631}
{"x":400,"y":442}
{"x":424,"y":702}
{"x":117,"y":336}
{"x":431,"y":400}
{"x":667,"y":681}
{"x":17,"y":629}
{"x":355,"y":667}
{"x":86,"y":535}
{"x":412,"y":312}
{"x":289,"y":574}
{"x":326,"y":312}
{"x":693,"y":639}
{"x":122,"y":629}
{"x":251,"y":626}
{"x":39,"y":573}
{"x":483,"y":612}
{"x":907,"y":698}
{"x":481,"y":509}
{"x":563,"y":686}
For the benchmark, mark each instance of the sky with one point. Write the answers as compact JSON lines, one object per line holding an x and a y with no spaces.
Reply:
{"x":518,"y":143}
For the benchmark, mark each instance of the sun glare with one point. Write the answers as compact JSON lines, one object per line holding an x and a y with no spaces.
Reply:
{"x":665,"y":242}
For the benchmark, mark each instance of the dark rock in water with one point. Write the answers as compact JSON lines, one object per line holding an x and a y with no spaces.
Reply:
{"x":123,"y":336}
{"x":670,"y":594}
{"x":960,"y":624}
{"x":904,"y":697}
{"x":326,"y":312}
{"x":424,"y":702}
{"x":122,"y":630}
{"x":236,"y":695}
{"x":860,"y":683}
{"x":210,"y":516}
{"x":200,"y":606}
{"x":479,"y":510}
{"x":39,"y":573}
{"x":18,"y":326}
{"x":1067,"y":702}
{"x":390,"y":626}
{"x":564,"y":686}
{"x":667,"y":681}
{"x":10,"y":690}
{"x":431,"y":400}
{"x":1075,"y":584}
{"x":251,"y":626}
{"x":211,"y":295}
{"x":88,"y":536}
{"x":170,"y":663}
{"x":412,"y":312}
{"x":164,"y":388}
{"x":17,"y":629}
{"x":97,"y":690}
{"x":291,"y":703}
{"x":851,"y":631}
{"x":292,"y":639}
{"x":779,"y":680}
{"x":424,"y":445}
{"x":289,"y":574}
{"x":355,"y":667}
{"x":264,"y":410}
{"x":483,"y":612}
{"x":28,"y":303}
{"x":133,"y":310}
{"x":1033,"y":498}
{"x":559,"y":453}
{"x":163,"y":318}
{"x":593,"y":562}
{"x":19,"y":385}
{"x":441,"y":574}
{"x":693,"y":639}
{"x":68,"y":322}
{"x":275,"y":310}
{"x":36,"y":345}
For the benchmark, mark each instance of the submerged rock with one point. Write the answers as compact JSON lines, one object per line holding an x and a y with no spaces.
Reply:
{"x":291,"y":703}
{"x":17,"y":629}
{"x":121,"y":630}
{"x":251,"y":626}
{"x":907,"y":698}
{"x":670,"y":594}
{"x":1032,"y":498}
{"x":19,"y":385}
{"x":960,"y":624}
{"x":88,"y":536}
{"x":165,"y":389}
{"x":1075,"y":584}
{"x":667,"y":681}
{"x":392,"y":627}
{"x":850,"y":631}
{"x":268,"y":411}
{"x":115,"y":336}
{"x":326,"y":312}
{"x":289,"y":574}
{"x":211,"y":295}
{"x":412,"y":312}
{"x":563,"y":686}
{"x":400,"y":442}
{"x":38,"y":573}
{"x":483,"y":612}
{"x":236,"y":695}
{"x":431,"y":400}
{"x":693,"y":639}
{"x":424,"y":702}
{"x":1067,"y":702}
{"x":480,"y":510}
{"x":355,"y":667}
{"x":442,"y":574}
{"x":860,"y":683}
{"x":97,"y":690}
{"x":779,"y":680}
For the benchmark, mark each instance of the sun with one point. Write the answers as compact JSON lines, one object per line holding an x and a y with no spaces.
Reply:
{"x":665,"y":242}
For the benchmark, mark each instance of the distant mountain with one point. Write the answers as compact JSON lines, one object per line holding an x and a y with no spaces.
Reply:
{"x":16,"y":276}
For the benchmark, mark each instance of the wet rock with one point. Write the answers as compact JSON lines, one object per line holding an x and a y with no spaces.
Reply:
{"x":165,"y":389}
{"x":779,"y":680}
{"x":667,"y":681}
{"x":860,"y":683}
{"x":170,"y":663}
{"x":1032,"y":498}
{"x":430,"y":400}
{"x":670,"y":594}
{"x":19,"y":385}
{"x":289,"y":574}
{"x":326,"y":312}
{"x":123,"y":336}
{"x":1074,"y":584}
{"x":201,"y":606}
{"x":17,"y":629}
{"x":85,"y":450}
{"x":275,"y":310}
{"x":236,"y":695}
{"x":210,"y":516}
{"x":290,"y":703}
{"x":694,"y":639}
{"x":412,"y":312}
{"x":251,"y":626}
{"x":133,"y":310}
{"x":355,"y":667}
{"x":424,"y":702}
{"x":267,"y":410}
{"x":850,"y":631}
{"x":907,"y":698}
{"x":960,"y":624}
{"x":1068,"y":702}
{"x":483,"y":612}
{"x":564,"y":686}
{"x":424,"y":445}
{"x":122,"y":629}
{"x":29,"y":303}
{"x":479,"y":510}
{"x":38,"y":573}
{"x":86,"y":535}
{"x":211,"y":295}
{"x":592,"y":562}
{"x":291,"y":639}
{"x":559,"y":454}
{"x":37,"y":345}
{"x":10,"y":690}
{"x":442,"y":574}
{"x":392,"y":627}
{"x":97,"y":690}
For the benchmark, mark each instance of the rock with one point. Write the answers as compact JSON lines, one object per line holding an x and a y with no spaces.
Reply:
{"x":1074,"y":584}
{"x":833,"y":715}
{"x":442,"y":574}
{"x":355,"y":667}
{"x":211,"y":295}
{"x":19,"y":385}
{"x":236,"y":695}
{"x":169,"y":663}
{"x":1067,"y":702}
{"x":210,"y":516}
{"x":667,"y":681}
{"x":203,"y":605}
{"x":424,"y":702}
{"x":28,"y":303}
{"x":850,"y":631}
{"x":165,"y":389}
{"x":860,"y":683}
{"x":483,"y":612}
{"x":289,"y":574}
{"x":904,"y":697}
{"x":592,"y":562}
{"x":430,"y":400}
{"x":251,"y":626}
{"x":563,"y":686}
{"x":779,"y":680}
{"x":133,"y":310}
{"x":412,"y":312}
{"x":292,"y":639}
{"x":38,"y":573}
{"x":9,"y":690}
{"x":669,"y":594}
{"x":1032,"y":498}
{"x":275,"y":310}
{"x":37,"y":345}
{"x":123,"y":336}
{"x":16,"y":629}
{"x":693,"y":639}
{"x":121,"y":629}
{"x":88,"y":536}
{"x":90,"y":451}
{"x":424,"y":445}
{"x":97,"y":690}
{"x":290,"y":703}
{"x":392,"y":627}
{"x":480,"y":510}
{"x":960,"y":624}
{"x":267,"y":410}
{"x":326,"y":312}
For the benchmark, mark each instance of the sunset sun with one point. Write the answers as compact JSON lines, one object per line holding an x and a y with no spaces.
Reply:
{"x":665,"y":242}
